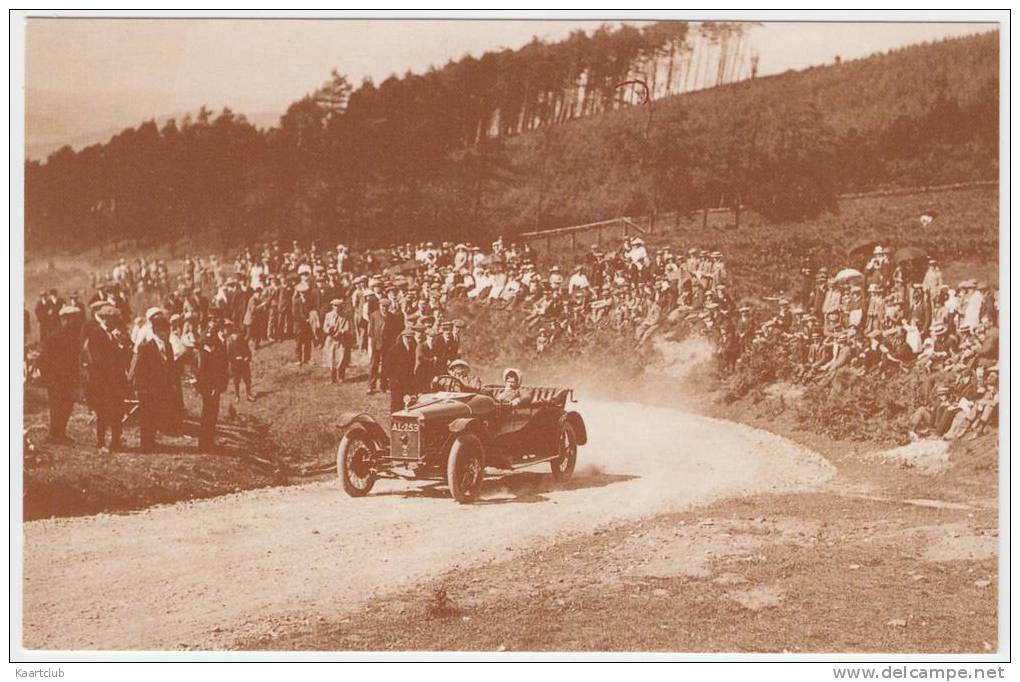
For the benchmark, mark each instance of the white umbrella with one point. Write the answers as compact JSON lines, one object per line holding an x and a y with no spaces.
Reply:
{"x":847,"y":275}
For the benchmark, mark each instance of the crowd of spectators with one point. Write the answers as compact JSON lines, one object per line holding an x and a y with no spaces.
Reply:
{"x":895,"y":314}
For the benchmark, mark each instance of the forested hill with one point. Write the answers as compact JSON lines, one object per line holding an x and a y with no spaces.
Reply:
{"x":538,"y":137}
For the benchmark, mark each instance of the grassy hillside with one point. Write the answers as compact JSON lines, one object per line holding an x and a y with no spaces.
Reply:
{"x":922,"y":115}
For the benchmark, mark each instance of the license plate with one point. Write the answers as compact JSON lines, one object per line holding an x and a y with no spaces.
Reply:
{"x":405,"y":439}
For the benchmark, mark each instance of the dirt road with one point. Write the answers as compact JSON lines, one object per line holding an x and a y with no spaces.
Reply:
{"x":201,"y":574}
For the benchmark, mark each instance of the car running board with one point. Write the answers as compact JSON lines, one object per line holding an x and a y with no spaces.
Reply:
{"x":531,"y":462}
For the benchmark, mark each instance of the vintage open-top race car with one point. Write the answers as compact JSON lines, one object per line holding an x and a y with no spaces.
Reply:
{"x":456,"y":432}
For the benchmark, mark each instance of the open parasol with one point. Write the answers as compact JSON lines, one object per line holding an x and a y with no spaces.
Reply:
{"x":909,"y":254}
{"x":862,"y":249}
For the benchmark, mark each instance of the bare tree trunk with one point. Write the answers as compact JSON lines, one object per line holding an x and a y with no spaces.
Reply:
{"x":669,"y":67}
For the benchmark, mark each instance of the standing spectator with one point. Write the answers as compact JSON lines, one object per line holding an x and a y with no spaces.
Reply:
{"x":300,"y":313}
{"x":151,"y":376}
{"x":381,"y":330}
{"x":426,"y":360}
{"x":338,"y":330}
{"x":47,"y":311}
{"x":211,"y":379}
{"x":105,"y":358}
{"x":58,"y":366}
{"x":238,"y":348}
{"x":398,"y":368}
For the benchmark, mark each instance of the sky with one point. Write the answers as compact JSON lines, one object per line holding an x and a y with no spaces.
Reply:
{"x":92,"y":74}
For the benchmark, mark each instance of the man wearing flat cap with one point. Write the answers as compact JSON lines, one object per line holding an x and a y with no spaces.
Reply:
{"x":211,"y":380}
{"x":398,"y":368}
{"x":384,"y":327}
{"x":58,"y":366}
{"x":338,"y":329}
{"x":105,"y":359}
{"x":301,"y":310}
{"x":427,"y":356}
{"x":152,"y":377}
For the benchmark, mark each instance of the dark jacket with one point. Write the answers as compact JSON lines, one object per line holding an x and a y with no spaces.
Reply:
{"x":238,"y":349}
{"x":105,"y":362}
{"x":58,"y":361}
{"x":398,"y":365}
{"x":152,"y":371}
{"x":212,"y":374}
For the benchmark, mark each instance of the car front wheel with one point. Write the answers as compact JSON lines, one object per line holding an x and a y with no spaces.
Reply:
{"x":566,"y":449}
{"x":465,"y":468}
{"x":354,"y":463}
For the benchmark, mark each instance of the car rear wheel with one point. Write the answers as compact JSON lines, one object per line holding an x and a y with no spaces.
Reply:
{"x":465,"y":468}
{"x":566,"y":448}
{"x":354,"y":463}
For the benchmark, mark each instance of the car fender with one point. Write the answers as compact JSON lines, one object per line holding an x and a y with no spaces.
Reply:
{"x":575,"y":420}
{"x":368,"y":424}
{"x":472,"y":425}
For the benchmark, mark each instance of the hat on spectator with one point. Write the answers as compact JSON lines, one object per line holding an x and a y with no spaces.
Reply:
{"x":941,"y":390}
{"x":335,"y":301}
{"x":68,"y":310}
{"x":459,"y":323}
{"x":153,"y":313}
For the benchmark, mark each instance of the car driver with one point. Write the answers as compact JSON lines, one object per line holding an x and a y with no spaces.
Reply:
{"x":461,"y":370}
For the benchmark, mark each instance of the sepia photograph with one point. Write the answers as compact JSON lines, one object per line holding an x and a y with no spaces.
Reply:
{"x":511,"y":337}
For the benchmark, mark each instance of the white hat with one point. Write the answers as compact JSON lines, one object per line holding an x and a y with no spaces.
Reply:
{"x":510,"y":370}
{"x":154,"y":312}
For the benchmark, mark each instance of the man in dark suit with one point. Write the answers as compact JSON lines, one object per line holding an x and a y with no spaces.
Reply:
{"x":382,"y":332}
{"x":300,"y":309}
{"x":398,"y":369}
{"x":58,"y":365}
{"x":427,"y":358}
{"x":211,"y":380}
{"x":151,"y":375}
{"x":47,"y":311}
{"x":105,"y":358}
